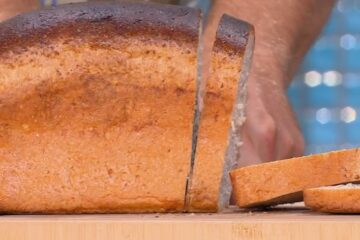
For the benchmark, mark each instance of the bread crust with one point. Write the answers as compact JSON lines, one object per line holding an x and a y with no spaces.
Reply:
{"x":220,"y":97}
{"x":333,"y":199}
{"x":232,"y":36}
{"x":283,"y":181}
{"x":99,"y":20}
{"x":96,"y":108}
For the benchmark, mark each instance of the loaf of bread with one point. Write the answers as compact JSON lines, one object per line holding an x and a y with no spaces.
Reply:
{"x":334,"y":199}
{"x":284,"y":181}
{"x":221,"y":119}
{"x":97,"y":105}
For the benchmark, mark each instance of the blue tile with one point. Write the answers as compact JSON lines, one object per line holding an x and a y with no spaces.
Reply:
{"x":352,"y":60}
{"x":317,"y":133}
{"x":352,"y":132}
{"x":352,"y":21}
{"x":352,"y":97}
{"x":322,"y":96}
{"x":322,"y":59}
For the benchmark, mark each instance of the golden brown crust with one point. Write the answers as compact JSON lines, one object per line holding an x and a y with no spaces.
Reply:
{"x":283,"y":181}
{"x":99,"y":21}
{"x":215,"y":122}
{"x":93,"y":119}
{"x":232,"y":36}
{"x":333,"y":200}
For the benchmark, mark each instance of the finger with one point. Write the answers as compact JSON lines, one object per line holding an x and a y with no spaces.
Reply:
{"x":285,"y":145}
{"x":248,"y":155}
{"x":290,"y":142}
{"x":299,"y":145}
{"x":263,"y":136}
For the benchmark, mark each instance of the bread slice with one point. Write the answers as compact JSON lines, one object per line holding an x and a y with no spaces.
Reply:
{"x":334,"y":199}
{"x":283,"y":181}
{"x":222,"y":116}
{"x":96,"y":108}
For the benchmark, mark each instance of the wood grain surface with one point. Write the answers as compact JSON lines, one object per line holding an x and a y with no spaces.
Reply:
{"x":279,"y":224}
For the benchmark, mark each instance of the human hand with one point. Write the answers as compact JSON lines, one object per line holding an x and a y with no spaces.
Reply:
{"x":284,"y":31}
{"x":271,"y":131}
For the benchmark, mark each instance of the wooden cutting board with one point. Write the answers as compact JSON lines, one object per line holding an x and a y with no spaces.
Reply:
{"x":277,"y":224}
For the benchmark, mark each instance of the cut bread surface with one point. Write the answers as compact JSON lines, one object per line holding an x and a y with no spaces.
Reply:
{"x":283,"y":181}
{"x":221,"y":116}
{"x":97,"y":108}
{"x":334,"y":199}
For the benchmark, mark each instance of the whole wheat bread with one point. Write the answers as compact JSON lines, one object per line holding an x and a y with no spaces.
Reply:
{"x":334,"y":199}
{"x":222,"y":116}
{"x":97,"y":105}
{"x":283,"y":181}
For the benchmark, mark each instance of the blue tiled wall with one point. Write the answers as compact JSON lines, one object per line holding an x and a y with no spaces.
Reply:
{"x":326,"y":91}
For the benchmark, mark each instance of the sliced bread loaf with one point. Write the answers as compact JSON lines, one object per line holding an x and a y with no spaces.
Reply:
{"x":96,"y":108}
{"x":334,"y":199}
{"x":97,"y":105}
{"x":283,"y":181}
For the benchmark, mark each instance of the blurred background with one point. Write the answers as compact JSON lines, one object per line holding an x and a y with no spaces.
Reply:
{"x":325,"y":92}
